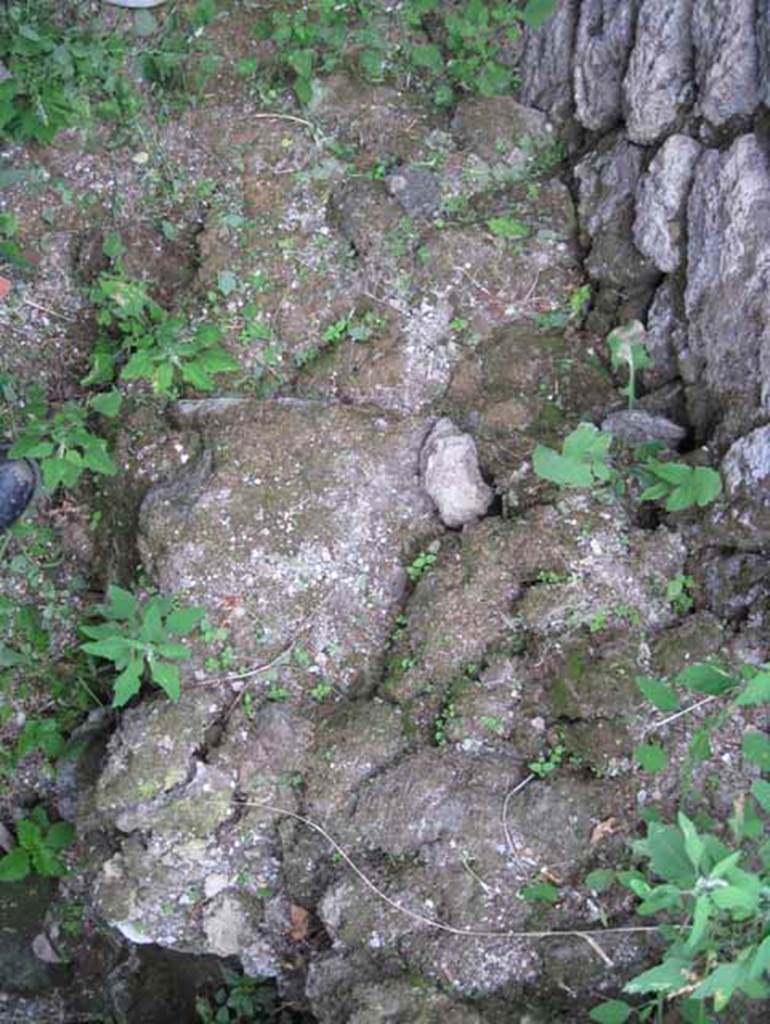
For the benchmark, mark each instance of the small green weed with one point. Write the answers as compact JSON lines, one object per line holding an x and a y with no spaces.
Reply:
{"x":38,"y":844}
{"x":627,"y":349}
{"x":507,"y":228}
{"x":417,"y":569}
{"x":137,"y":636}
{"x":582,"y":462}
{"x":143,"y":341}
{"x":678,"y":593}
{"x":59,"y":76}
{"x":239,"y":1000}
{"x":546,"y":764}
{"x":62,"y":443}
{"x":682,"y":486}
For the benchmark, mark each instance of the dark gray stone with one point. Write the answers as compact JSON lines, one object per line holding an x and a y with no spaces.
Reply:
{"x":727,"y":298}
{"x":546,"y":67}
{"x":727,"y":58}
{"x":417,"y":189}
{"x":658,"y":85}
{"x":604,"y":36}
{"x":666,"y":336}
{"x":635,"y":426}
{"x":661,"y":201}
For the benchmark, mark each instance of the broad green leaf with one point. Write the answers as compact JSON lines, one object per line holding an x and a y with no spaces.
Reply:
{"x":550,"y":465}
{"x":121,"y":603}
{"x":540,"y":891}
{"x":721,"y":984}
{"x":668,"y":857}
{"x":760,"y":790}
{"x":30,"y":448}
{"x":140,"y":365}
{"x":722,"y":867}
{"x":651,"y":757}
{"x":693,"y":844}
{"x":9,"y":657}
{"x":587,"y":441}
{"x":706,"y":677}
{"x":46,"y":863}
{"x":15,"y":865}
{"x":760,"y":962}
{"x":507,"y":227}
{"x":659,"y":693}
{"x":217,"y":360}
{"x":700,"y":922}
{"x":757,"y":690}
{"x":741,"y":895}
{"x":116,"y":648}
{"x":654,"y":493}
{"x":60,"y":835}
{"x":615,"y":1011}
{"x":29,"y":834}
{"x":182,"y":621}
{"x":163,"y":378}
{"x":108,"y":403}
{"x":301,"y":62}
{"x":662,"y":897}
{"x":699,"y":747}
{"x":176,"y":651}
{"x":600,"y":879}
{"x":167,"y":677}
{"x":152,"y":630}
{"x":707,"y":485}
{"x":128,"y":683}
{"x":669,"y":976}
{"x":675,"y":473}
{"x":427,"y":56}
{"x":195,"y":374}
{"x":756,"y":748}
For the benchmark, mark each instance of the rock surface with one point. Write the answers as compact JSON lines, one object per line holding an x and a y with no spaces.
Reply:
{"x":449,"y":469}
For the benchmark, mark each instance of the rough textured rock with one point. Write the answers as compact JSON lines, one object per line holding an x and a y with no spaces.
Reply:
{"x":658,"y":86}
{"x":728,"y":58}
{"x":635,"y":426}
{"x":604,"y":35}
{"x":666,"y":336}
{"x":746,"y":469}
{"x":498,"y":128}
{"x":608,"y":180}
{"x":661,"y":202}
{"x":727,"y":298}
{"x":449,"y":469}
{"x":546,"y":69}
{"x":305,"y":510}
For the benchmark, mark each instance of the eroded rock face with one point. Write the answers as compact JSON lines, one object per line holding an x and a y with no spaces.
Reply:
{"x":727,"y":299}
{"x":661,"y":199}
{"x":301,"y":511}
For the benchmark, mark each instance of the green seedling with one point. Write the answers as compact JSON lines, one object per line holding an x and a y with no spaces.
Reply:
{"x":38,"y":844}
{"x":137,"y":637}
{"x":582,"y":462}
{"x":627,"y":349}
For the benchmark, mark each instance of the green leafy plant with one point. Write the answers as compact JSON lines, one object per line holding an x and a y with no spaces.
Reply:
{"x":148,"y":343}
{"x":61,"y":442}
{"x":59,"y":75}
{"x":507,"y":227}
{"x":547,"y":763}
{"x":417,"y":569}
{"x":136,"y":637}
{"x":177,"y":58}
{"x":680,"y":485}
{"x":239,"y":1000}
{"x":716,"y":900}
{"x":679,"y":593}
{"x":582,"y":462}
{"x":38,"y":844}
{"x":627,"y":349}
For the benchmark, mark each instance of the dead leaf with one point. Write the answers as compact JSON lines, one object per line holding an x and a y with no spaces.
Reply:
{"x":300,"y":919}
{"x":5,"y":287}
{"x":605,"y":828}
